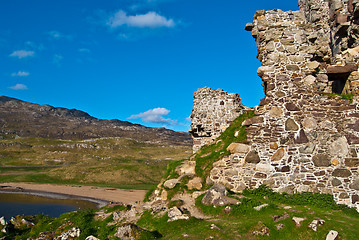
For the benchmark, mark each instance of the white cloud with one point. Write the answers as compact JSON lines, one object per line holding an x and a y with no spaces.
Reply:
{"x":57,"y":35}
{"x":148,"y":20}
{"x":22,"y":54}
{"x":154,"y":116}
{"x":19,"y":86}
{"x":20,"y":74}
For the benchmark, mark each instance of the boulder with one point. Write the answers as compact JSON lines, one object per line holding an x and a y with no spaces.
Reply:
{"x":186,"y":168}
{"x":128,"y":232}
{"x":176,"y":214}
{"x":217,"y":196}
{"x":195,"y":183}
{"x":92,"y":238}
{"x":170,"y":183}
{"x":298,"y":221}
{"x":315,"y":223}
{"x":332,"y":235}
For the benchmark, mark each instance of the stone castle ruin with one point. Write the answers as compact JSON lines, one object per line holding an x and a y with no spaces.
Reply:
{"x":304,"y":136}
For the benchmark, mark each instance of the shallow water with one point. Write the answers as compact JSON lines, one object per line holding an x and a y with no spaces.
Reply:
{"x":24,"y":204}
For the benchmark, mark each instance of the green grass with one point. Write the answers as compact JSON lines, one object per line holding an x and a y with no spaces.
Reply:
{"x":112,"y":162}
{"x":348,"y":97}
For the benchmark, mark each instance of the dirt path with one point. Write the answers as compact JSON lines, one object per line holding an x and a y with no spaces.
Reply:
{"x":107,"y":194}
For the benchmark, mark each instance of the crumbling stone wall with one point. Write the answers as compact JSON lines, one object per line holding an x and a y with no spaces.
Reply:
{"x":213,"y":111}
{"x":303,"y":138}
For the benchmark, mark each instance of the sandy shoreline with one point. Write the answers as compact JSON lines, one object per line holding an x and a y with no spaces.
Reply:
{"x":88,"y":193}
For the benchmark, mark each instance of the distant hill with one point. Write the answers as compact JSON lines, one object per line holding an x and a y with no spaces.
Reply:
{"x":33,"y":120}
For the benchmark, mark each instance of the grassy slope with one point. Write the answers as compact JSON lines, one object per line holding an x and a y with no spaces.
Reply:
{"x":239,"y":223}
{"x":115,"y":162}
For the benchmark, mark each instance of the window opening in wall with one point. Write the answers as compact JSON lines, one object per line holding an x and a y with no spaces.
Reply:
{"x":339,"y":80}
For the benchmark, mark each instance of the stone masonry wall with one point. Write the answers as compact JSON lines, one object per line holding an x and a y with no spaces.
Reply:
{"x":304,"y":137}
{"x":213,"y":111}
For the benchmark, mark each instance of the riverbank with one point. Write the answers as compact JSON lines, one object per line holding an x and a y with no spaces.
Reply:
{"x":99,"y":195}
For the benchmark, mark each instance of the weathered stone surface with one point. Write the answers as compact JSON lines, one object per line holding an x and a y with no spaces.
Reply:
{"x":186,"y":168}
{"x":260,"y":229}
{"x":252,"y":157}
{"x":336,"y":182}
{"x":332,"y":235}
{"x":298,"y":220}
{"x":277,"y":218}
{"x":264,"y":167}
{"x":339,"y":147}
{"x":301,"y":137}
{"x":321,"y":160}
{"x":355,"y":185}
{"x":313,"y":65}
{"x":341,"y":173}
{"x":217,"y":196}
{"x":238,"y":148}
{"x":264,"y":70}
{"x":275,"y":112}
{"x":253,"y":120}
{"x":351,"y":67}
{"x":352,"y":162}
{"x":213,"y":111}
{"x":171,"y":183}
{"x":309,"y":80}
{"x":309,"y":123}
{"x":92,"y":238}
{"x":195,"y":183}
{"x":315,"y":224}
{"x":291,"y":107}
{"x":175,"y":214}
{"x":278,"y":155}
{"x":307,"y":149}
{"x":291,"y":125}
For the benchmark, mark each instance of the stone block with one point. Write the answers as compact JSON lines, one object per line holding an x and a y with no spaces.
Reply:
{"x":341,"y":173}
{"x":278,"y":155}
{"x":238,"y":148}
{"x":252,"y":157}
{"x":291,"y":125}
{"x":321,"y":160}
{"x":352,"y":162}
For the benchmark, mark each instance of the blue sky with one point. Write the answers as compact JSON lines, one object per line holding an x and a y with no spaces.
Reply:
{"x":138,"y":60}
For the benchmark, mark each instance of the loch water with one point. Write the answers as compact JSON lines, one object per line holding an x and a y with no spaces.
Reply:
{"x":24,"y":204}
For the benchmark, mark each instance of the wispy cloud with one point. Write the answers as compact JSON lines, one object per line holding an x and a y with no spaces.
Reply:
{"x":20,"y":74}
{"x":19,"y":86}
{"x":57,"y":35}
{"x":148,"y":20}
{"x":22,"y":54}
{"x":84,"y":50}
{"x":154,"y":116}
{"x":35,"y":46}
{"x":57,"y":59}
